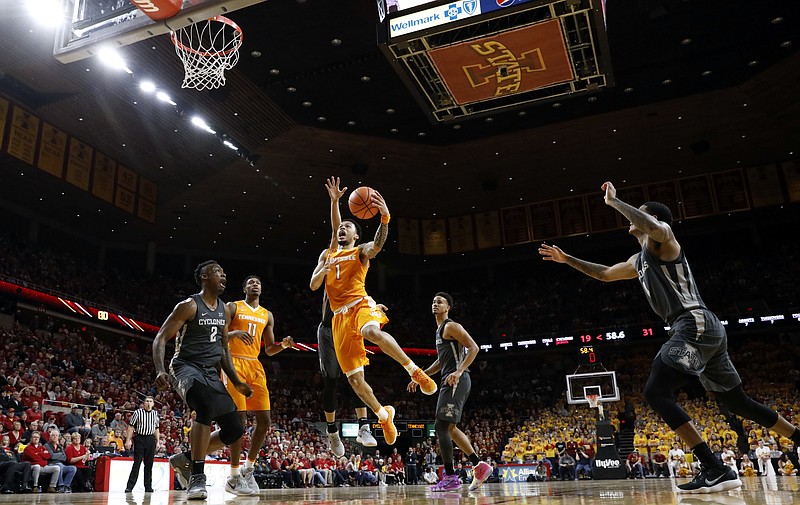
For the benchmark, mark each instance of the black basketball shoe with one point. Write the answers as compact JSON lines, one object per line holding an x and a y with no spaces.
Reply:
{"x":712,"y":480}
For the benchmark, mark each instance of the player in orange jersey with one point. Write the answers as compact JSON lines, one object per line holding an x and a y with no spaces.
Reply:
{"x":355,"y":314}
{"x":250,"y":326}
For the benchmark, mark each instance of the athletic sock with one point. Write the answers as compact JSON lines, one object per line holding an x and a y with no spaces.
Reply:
{"x":796,"y":437}
{"x":362,"y":422}
{"x":706,"y":457}
{"x":234,"y":471}
{"x":474,"y":459}
{"x":382,"y":414}
{"x":249,"y":463}
{"x":410,"y":367}
{"x":449,"y":469}
{"x":332,"y":427}
{"x":198,"y":467}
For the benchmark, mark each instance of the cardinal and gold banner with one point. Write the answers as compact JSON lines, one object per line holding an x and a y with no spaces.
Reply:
{"x":4,"y":105}
{"x":103,"y":182}
{"x":730,"y":191}
{"x":147,"y":210}
{"x":504,"y":64}
{"x":434,"y":238}
{"x":462,"y":238}
{"x":24,"y":131}
{"x":765,"y":185}
{"x":52,"y":150}
{"x":487,"y":227}
{"x":408,"y":236}
{"x":79,"y":166}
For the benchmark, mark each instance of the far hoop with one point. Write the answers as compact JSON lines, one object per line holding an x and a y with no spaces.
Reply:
{"x":207,"y":49}
{"x":594,"y":400}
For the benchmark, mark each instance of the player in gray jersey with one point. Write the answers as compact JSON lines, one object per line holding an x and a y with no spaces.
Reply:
{"x":201,"y":325}
{"x":455,"y":351}
{"x":698,"y":344}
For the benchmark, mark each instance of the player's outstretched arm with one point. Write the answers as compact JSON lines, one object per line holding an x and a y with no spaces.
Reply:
{"x":182,"y":312}
{"x":655,"y":229}
{"x":618,"y":272}
{"x":321,"y":270}
{"x":371,"y":249}
{"x":268,"y":337}
{"x":335,"y":193}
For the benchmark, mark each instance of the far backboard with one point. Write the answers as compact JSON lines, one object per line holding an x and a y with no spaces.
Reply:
{"x":90,"y":25}
{"x":603,"y":382}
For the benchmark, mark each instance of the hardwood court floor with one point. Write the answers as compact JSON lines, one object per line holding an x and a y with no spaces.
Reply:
{"x":756,"y":490}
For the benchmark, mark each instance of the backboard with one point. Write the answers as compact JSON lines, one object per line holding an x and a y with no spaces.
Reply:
{"x":602,"y":383}
{"x":90,"y":25}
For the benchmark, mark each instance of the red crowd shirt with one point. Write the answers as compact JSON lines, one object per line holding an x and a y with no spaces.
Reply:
{"x":36,"y":455}
{"x":72,"y":452}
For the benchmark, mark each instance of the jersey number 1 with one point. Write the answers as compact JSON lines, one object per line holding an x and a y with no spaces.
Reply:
{"x":338,"y":272}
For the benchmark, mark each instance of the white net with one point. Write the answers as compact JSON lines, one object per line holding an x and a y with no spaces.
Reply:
{"x":208,"y":48}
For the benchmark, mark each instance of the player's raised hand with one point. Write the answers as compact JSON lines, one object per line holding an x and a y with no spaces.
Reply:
{"x":383,"y":308}
{"x":242,"y":335}
{"x":552,"y":253}
{"x":378,"y":201}
{"x":611,"y":192}
{"x":412,"y":387}
{"x":245,"y":389}
{"x":332,"y":185}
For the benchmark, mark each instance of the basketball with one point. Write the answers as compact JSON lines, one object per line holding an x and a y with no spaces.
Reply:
{"x":360,"y":203}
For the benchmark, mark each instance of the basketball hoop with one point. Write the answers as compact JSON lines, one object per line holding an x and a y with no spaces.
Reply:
{"x":594,"y":401}
{"x":207,"y":49}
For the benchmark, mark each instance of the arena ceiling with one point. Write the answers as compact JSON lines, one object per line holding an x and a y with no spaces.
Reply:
{"x":699,"y":86}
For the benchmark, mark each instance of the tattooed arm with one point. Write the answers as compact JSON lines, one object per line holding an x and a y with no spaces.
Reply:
{"x":371,"y":249}
{"x":618,"y":272}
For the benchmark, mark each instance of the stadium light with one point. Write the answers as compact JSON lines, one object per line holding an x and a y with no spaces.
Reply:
{"x":46,"y":12}
{"x":165,"y":98}
{"x":201,"y":123}
{"x":112,"y":59}
{"x":147,"y":86}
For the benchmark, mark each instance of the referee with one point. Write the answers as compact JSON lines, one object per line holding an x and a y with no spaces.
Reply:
{"x":145,"y":423}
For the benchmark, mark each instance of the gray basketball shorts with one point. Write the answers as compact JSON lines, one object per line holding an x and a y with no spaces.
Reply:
{"x":328,"y":364}
{"x":185,"y":375}
{"x":450,"y":405}
{"x":698,"y":345}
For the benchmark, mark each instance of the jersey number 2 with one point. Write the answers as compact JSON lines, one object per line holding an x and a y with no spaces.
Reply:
{"x":214,"y":331}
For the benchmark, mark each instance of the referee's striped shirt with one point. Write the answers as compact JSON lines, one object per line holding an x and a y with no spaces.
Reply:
{"x":144,"y":422}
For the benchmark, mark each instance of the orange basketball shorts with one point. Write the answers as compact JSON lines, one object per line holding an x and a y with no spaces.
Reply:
{"x":347,"y":339}
{"x":250,"y":371}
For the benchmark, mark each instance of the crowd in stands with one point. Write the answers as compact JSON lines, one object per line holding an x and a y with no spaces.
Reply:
{"x":527,"y":297}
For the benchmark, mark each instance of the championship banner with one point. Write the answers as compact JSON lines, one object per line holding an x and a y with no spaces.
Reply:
{"x":765,"y":185}
{"x":22,"y":141}
{"x":434,"y":239}
{"x":544,"y":220}
{"x":52,"y":150}
{"x":4,"y":105}
{"x":148,"y":189}
{"x":696,"y":197}
{"x":487,"y":227}
{"x":462,"y":238}
{"x":125,"y":199}
{"x":572,"y":215}
{"x":504,"y":64}
{"x":730,"y":191}
{"x":666,"y":192}
{"x":601,"y":216}
{"x":147,"y":211}
{"x":80,"y":164}
{"x":127,"y":179}
{"x":516,"y":229}
{"x":408,"y":236}
{"x":791,"y":172}
{"x":103,"y":181}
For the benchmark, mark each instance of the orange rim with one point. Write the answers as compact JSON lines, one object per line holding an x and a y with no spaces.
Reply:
{"x":219,"y":19}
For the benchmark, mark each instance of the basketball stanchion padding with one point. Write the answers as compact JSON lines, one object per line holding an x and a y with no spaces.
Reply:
{"x":207,"y":49}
